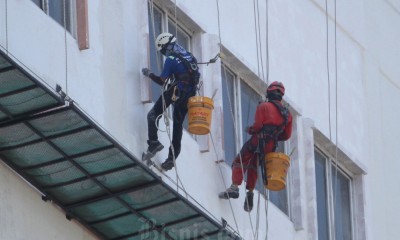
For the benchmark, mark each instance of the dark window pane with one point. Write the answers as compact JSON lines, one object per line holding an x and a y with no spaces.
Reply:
{"x":341,"y":193}
{"x":228,"y":110}
{"x":56,"y":11}
{"x":181,"y":37}
{"x":249,"y":103}
{"x":322,"y":207}
{"x":38,"y":3}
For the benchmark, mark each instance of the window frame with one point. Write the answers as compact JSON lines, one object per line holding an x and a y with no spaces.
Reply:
{"x":331,"y":162}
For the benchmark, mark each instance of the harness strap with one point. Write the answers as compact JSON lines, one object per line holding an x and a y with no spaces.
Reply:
{"x":191,"y":67}
{"x":270,"y":132}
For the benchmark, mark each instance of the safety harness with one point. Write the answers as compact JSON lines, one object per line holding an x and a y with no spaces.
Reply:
{"x":186,"y":82}
{"x":269,"y":132}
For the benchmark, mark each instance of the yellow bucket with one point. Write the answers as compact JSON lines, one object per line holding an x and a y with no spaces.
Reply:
{"x":199,"y":114}
{"x":276,"y":167}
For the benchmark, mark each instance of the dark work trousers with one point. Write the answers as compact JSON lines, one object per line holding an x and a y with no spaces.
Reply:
{"x":180,"y":111}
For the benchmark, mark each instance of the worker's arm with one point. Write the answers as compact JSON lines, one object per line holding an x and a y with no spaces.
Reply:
{"x":258,"y":124}
{"x":159,"y":80}
{"x":287,"y":132}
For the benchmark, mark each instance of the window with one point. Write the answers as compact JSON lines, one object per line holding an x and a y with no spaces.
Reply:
{"x":158,"y":19}
{"x":334,"y":208}
{"x":229,"y":113}
{"x":56,"y":10}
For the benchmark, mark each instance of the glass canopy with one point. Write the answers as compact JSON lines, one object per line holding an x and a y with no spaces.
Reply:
{"x":78,"y":166}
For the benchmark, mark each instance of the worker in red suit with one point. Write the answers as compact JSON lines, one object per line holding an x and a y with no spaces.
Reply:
{"x":273,"y":123}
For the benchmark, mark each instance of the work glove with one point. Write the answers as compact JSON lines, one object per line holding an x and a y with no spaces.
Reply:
{"x":146,"y":72}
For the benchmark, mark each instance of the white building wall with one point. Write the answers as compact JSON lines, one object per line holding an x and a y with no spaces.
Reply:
{"x":105,"y":81}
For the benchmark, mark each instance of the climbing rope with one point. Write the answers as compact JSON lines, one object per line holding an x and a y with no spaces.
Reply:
{"x":231,"y":110}
{"x":223,"y":181}
{"x":336,"y":100}
{"x":65,"y":47}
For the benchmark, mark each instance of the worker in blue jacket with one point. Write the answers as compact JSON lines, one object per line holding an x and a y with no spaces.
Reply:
{"x":180,"y":77}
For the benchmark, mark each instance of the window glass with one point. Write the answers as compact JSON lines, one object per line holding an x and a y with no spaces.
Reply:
{"x":38,"y":3}
{"x":156,"y":60}
{"x":182,"y":38}
{"x":322,"y":199}
{"x":333,"y":202}
{"x":249,"y":102}
{"x":55,"y":9}
{"x":341,"y":195}
{"x":228,"y":114}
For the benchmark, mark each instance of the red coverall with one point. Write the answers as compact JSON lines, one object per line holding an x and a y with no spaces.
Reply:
{"x":266,"y":114}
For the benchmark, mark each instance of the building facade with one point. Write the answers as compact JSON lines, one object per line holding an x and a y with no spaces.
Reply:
{"x":337,"y":59}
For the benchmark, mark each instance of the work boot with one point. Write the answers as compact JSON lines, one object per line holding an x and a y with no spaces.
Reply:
{"x":231,"y":192}
{"x":168,"y":164}
{"x":248,"y":201}
{"x":154,"y":147}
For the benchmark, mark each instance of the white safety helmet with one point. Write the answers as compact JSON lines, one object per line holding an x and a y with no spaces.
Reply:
{"x":163,"y":40}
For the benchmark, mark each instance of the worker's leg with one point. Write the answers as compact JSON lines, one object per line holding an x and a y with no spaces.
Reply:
{"x":179,"y":114}
{"x":152,"y":122}
{"x":239,"y":167}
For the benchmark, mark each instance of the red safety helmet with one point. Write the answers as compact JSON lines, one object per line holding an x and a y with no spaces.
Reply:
{"x":276,"y":86}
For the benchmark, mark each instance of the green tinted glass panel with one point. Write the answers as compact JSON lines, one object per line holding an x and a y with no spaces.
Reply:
{"x":27,"y":101}
{"x":31,"y":154}
{"x":220,"y":236}
{"x":191,"y":228}
{"x":147,"y":235}
{"x":99,"y":210}
{"x":121,"y":226}
{"x":15,"y":135}
{"x":13,"y":80}
{"x":77,"y":191}
{"x":147,"y":196}
{"x":169,"y":212}
{"x":4,"y":63}
{"x":3,"y":116}
{"x":130,"y":177}
{"x":55,"y":173}
{"x":81,"y":142}
{"x":104,"y":161}
{"x":58,"y":123}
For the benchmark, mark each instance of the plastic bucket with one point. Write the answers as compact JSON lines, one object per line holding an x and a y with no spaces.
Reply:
{"x":276,"y":167}
{"x":199,"y":114}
